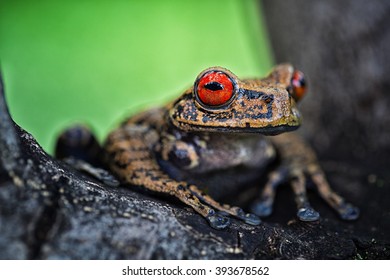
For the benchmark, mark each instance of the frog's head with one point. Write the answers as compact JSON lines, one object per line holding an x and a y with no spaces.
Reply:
{"x":219,"y":101}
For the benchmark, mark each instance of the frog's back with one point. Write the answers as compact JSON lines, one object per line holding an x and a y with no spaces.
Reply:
{"x":153,"y":118}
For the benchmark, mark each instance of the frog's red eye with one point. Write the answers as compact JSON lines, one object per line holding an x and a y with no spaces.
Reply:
{"x":298,"y":85}
{"x":214,"y":88}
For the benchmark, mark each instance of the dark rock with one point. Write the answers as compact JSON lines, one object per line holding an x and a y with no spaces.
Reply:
{"x":48,"y":210}
{"x":343,"y":48}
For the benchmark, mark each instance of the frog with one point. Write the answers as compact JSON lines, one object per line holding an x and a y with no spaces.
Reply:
{"x":218,"y":136}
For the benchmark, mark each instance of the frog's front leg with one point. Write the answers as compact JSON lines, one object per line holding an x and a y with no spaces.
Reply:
{"x":130,"y":156}
{"x":298,"y":160}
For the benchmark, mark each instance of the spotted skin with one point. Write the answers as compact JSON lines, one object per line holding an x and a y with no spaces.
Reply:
{"x":166,"y":149}
{"x":129,"y":152}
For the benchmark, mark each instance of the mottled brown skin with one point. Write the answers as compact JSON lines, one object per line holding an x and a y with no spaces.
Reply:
{"x":168,"y":148}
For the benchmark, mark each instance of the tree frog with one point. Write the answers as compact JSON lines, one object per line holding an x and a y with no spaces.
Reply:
{"x":219,"y":136}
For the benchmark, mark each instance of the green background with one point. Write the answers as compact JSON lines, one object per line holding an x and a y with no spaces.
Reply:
{"x":98,"y":61}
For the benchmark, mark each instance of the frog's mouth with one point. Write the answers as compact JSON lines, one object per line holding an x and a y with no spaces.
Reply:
{"x":271,"y":130}
{"x":268,"y":130}
{"x":232,"y":122}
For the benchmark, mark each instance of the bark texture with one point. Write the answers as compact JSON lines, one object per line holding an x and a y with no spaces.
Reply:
{"x":48,"y":210}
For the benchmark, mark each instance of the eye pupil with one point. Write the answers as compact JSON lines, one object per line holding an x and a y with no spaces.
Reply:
{"x":214,"y":86}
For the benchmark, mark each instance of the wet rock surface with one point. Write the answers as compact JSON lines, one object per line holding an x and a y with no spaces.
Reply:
{"x":48,"y":210}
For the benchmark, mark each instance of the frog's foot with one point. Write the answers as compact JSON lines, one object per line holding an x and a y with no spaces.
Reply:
{"x":100,"y":174}
{"x":249,"y":218}
{"x":263,"y":207}
{"x":218,"y":220}
{"x":345,"y":210}
{"x":225,"y":209}
{"x":348,"y":212}
{"x":308,"y":214}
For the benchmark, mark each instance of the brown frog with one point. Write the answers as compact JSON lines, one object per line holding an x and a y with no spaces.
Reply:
{"x":215,"y":130}
{"x":221,"y":135}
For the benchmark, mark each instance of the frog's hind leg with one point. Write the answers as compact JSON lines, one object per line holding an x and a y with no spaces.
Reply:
{"x":130,"y":157}
{"x":79,"y":148}
{"x":80,"y":143}
{"x":346,"y":210}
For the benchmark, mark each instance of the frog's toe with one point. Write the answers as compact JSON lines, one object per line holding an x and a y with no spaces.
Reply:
{"x":252,"y":219}
{"x":218,"y":221}
{"x":248,"y":218}
{"x":349,"y":212}
{"x":107,"y":178}
{"x":223,"y":213}
{"x":99,"y":174}
{"x":261,"y":208}
{"x":308,"y":214}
